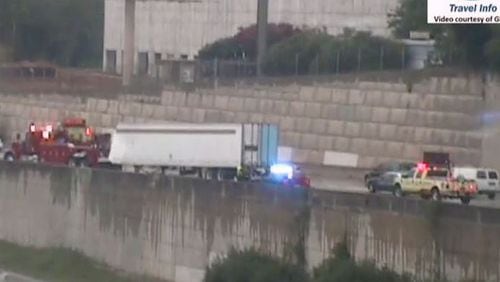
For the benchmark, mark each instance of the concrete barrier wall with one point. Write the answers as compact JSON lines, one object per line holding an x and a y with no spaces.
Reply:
{"x":172,"y":228}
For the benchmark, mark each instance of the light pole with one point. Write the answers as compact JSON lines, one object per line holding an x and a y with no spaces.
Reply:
{"x":129,"y":42}
{"x":262,"y":17}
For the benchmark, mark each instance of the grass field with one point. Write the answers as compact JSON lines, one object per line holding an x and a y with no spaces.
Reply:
{"x":59,"y":265}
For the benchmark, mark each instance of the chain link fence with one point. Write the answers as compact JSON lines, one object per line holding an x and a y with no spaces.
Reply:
{"x":338,"y":62}
{"x":332,"y":64}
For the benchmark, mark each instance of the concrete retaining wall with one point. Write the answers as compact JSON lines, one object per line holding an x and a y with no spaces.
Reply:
{"x":350,"y":124}
{"x":172,"y":228}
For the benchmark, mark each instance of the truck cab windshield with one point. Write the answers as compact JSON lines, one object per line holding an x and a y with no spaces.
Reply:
{"x":78,"y":134}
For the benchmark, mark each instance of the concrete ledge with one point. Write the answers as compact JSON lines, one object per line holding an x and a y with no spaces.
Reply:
{"x":406,"y":206}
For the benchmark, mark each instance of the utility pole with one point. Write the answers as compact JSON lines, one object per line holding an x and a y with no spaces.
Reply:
{"x":128,"y":52}
{"x":262,"y":18}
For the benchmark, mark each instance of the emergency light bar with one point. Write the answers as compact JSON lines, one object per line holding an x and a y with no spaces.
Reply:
{"x":422,"y":166}
{"x":282,"y":169}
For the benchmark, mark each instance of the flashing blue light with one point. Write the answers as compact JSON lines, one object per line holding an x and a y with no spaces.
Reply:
{"x":282,"y":170}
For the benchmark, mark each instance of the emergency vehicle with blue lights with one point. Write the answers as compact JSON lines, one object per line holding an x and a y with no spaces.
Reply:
{"x":289,"y":175}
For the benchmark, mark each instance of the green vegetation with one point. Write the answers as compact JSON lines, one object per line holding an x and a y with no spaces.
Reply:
{"x":252,"y":266}
{"x":316,"y":51}
{"x":58,"y":265}
{"x":341,"y":267}
{"x":469,"y":45}
{"x":295,"y":51}
{"x":68,"y":32}
{"x":5,"y":55}
{"x":243,"y":45}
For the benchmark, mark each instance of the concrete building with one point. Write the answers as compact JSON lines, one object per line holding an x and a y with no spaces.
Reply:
{"x":179,"y":29}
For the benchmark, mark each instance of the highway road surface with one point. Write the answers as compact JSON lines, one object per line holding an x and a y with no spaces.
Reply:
{"x":13,"y":277}
{"x":351,"y":180}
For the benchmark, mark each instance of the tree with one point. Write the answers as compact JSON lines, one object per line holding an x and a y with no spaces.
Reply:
{"x":304,"y":46}
{"x":411,"y":15}
{"x":314,"y":50}
{"x":68,"y":32}
{"x":471,"y":43}
{"x":243,"y":45}
{"x":492,"y":49}
{"x":465,"y":44}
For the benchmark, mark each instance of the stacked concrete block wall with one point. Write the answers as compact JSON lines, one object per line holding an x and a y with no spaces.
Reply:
{"x":172,"y":228}
{"x":352,"y":124}
{"x":370,"y":122}
{"x":491,"y":124}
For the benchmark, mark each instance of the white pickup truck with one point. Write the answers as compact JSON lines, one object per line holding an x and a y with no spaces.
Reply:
{"x":486,"y":179}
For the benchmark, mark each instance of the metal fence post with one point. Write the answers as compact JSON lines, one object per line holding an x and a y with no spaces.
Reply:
{"x":297,"y":57}
{"x":403,"y":58}
{"x":359,"y":59}
{"x":382,"y":58}
{"x":216,"y":70}
{"x":337,"y":66}
{"x":317,"y":64}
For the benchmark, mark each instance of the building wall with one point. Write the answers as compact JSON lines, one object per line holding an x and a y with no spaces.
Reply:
{"x":173,"y":228}
{"x":184,"y":27}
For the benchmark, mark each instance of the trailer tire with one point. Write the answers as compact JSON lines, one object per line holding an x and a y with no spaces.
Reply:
{"x":491,"y":196}
{"x":436,"y":196}
{"x":182,"y":171}
{"x":221,"y":174}
{"x":398,"y":192}
{"x":84,"y":162}
{"x":9,"y":156}
{"x":465,"y":200}
{"x":371,"y":188}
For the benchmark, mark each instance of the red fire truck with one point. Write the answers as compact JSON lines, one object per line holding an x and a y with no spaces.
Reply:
{"x":70,"y":142}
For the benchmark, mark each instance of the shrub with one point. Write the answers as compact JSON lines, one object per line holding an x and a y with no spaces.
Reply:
{"x":281,"y":57}
{"x":318,"y":51}
{"x":493,"y":52}
{"x":252,"y":266}
{"x":341,"y":267}
{"x":244,"y":43}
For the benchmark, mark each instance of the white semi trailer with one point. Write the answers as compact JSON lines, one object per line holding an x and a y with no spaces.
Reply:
{"x":209,"y":150}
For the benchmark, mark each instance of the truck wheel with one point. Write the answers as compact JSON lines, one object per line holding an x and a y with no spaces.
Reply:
{"x":398,"y":192}
{"x":220,"y":175}
{"x":84,"y":163}
{"x":491,"y":196}
{"x":436,"y":196}
{"x":371,"y":188}
{"x":9,"y":157}
{"x":465,"y":200}
{"x":183,"y":171}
